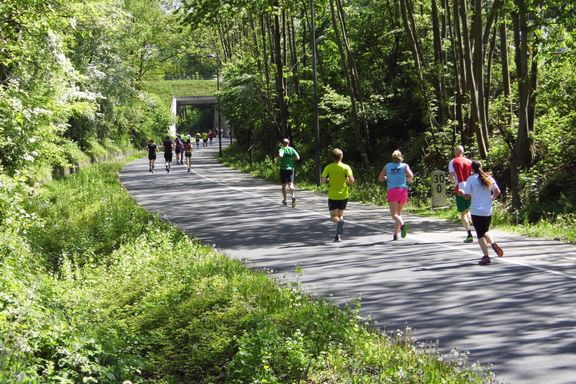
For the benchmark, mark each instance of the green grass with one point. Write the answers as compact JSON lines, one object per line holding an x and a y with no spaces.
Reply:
{"x":166,"y":89}
{"x":126,"y":296}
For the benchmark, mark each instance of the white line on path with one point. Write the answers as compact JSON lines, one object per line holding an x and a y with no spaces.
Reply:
{"x":450,"y":247}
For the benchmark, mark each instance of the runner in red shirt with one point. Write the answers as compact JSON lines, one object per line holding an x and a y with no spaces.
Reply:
{"x":460,"y":168}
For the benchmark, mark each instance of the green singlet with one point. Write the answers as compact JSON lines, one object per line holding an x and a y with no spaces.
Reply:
{"x":287,"y":160}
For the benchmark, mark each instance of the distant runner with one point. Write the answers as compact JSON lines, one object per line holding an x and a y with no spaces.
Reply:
{"x":210,"y":136}
{"x":460,"y":168}
{"x":482,"y":189}
{"x":287,"y":155}
{"x":339,"y":177}
{"x":168,"y":144}
{"x":204,"y":139}
{"x":397,"y":175}
{"x":152,"y":148}
{"x":179,"y":149}
{"x":188,"y":153}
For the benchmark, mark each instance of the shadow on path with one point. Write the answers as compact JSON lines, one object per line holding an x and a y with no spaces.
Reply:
{"x":517,"y":314}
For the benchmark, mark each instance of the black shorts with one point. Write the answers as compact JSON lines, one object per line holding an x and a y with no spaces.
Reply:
{"x":337,"y":204}
{"x":481,"y":225}
{"x":188,"y":154}
{"x":152,"y":156}
{"x":168,"y":156}
{"x":287,"y":176}
{"x":178,"y":150}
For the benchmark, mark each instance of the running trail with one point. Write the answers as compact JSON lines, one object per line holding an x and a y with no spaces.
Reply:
{"x":516,"y":315}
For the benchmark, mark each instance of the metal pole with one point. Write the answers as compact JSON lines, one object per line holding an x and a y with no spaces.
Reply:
{"x":315,"y":101}
{"x":219,"y":121}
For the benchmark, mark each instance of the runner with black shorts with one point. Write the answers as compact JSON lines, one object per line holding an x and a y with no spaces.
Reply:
{"x":152,"y":148}
{"x":482,"y":189}
{"x":179,"y":149}
{"x":338,"y":176}
{"x":287,"y":156}
{"x":188,"y":153}
{"x":168,"y":144}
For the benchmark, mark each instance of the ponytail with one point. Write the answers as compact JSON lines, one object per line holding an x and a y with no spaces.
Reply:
{"x":484,"y":178}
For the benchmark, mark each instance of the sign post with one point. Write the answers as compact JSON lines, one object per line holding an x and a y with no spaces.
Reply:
{"x":438,"y":189}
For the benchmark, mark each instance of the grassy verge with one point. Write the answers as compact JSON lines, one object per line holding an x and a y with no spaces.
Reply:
{"x":98,"y":290}
{"x":367,"y":190}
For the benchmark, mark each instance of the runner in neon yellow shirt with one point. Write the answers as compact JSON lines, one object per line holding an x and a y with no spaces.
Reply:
{"x":339,"y":177}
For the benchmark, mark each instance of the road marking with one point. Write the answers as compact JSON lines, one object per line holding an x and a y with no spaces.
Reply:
{"x":428,"y":240}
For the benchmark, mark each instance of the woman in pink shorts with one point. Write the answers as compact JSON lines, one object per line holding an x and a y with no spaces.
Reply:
{"x":397,"y":174}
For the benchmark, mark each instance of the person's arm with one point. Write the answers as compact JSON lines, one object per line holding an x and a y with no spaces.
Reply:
{"x":495,"y":191}
{"x":451,"y":172}
{"x":466,"y":192}
{"x":350,"y":179}
{"x":324,"y":176}
{"x":409,"y":174}
{"x":382,"y":176}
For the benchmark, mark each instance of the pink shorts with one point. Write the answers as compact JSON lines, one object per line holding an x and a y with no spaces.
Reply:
{"x":397,"y":195}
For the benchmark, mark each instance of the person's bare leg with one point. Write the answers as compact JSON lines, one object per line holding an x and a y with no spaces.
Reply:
{"x":284,"y":193}
{"x":483,"y":245}
{"x":397,"y":219}
{"x":495,"y":246}
{"x":292,"y":194}
{"x":466,"y":220}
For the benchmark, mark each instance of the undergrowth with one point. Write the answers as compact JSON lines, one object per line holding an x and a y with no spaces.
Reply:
{"x":96,"y":290}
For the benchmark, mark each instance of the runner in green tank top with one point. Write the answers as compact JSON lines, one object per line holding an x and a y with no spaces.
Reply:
{"x":287,"y":156}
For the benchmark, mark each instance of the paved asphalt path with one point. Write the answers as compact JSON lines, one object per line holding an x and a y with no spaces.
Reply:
{"x":516,"y":315}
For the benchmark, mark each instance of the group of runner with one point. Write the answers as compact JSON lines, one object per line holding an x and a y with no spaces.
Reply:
{"x":474,"y":189}
{"x":181,"y":145}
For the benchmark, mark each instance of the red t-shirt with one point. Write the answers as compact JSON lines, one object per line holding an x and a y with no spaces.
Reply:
{"x":462,"y":169}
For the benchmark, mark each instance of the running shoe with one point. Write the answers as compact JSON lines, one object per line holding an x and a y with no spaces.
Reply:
{"x":485,"y":260}
{"x":284,"y":203}
{"x":340,"y":227}
{"x":337,"y":238}
{"x":469,"y":239}
{"x":293,"y":202}
{"x":404,"y":230}
{"x":497,"y":249}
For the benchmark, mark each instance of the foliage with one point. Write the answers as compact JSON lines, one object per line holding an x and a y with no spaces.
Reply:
{"x":127,"y":297}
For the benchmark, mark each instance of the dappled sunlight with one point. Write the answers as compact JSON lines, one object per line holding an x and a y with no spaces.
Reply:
{"x":516,"y":314}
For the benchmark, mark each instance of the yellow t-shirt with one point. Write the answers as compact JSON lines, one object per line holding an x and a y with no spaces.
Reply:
{"x":336,"y":173}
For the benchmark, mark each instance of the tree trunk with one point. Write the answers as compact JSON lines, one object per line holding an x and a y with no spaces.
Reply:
{"x":409,"y":28}
{"x":280,"y":86}
{"x":459,"y":72}
{"x":439,"y":64}
{"x":506,"y":87}
{"x":348,"y":73}
{"x":475,"y":117}
{"x":478,"y":65}
{"x":490,"y":57}
{"x":523,"y":141}
{"x":355,"y":80}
